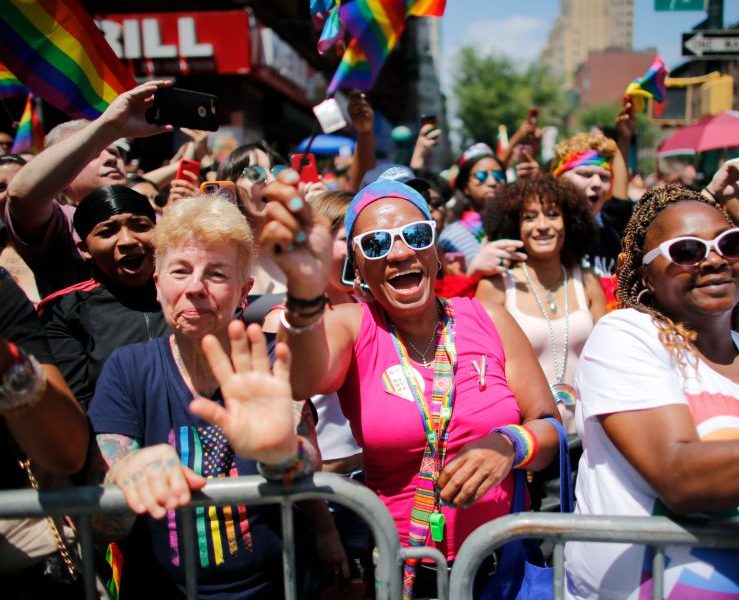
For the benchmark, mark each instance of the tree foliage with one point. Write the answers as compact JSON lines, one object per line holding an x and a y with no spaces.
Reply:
{"x":492,"y":90}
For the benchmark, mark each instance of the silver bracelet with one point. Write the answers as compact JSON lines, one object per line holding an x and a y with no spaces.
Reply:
{"x":294,"y":328}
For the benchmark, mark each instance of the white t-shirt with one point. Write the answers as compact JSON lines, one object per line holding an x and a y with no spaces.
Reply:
{"x":334,"y":434}
{"x":625,"y":367}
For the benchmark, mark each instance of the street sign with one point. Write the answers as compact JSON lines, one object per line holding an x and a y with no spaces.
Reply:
{"x":669,"y":5}
{"x":712,"y":43}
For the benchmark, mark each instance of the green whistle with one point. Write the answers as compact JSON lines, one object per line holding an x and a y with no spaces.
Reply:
{"x":437,"y":521}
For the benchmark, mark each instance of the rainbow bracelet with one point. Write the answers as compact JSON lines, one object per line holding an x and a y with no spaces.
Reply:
{"x":524,"y":442}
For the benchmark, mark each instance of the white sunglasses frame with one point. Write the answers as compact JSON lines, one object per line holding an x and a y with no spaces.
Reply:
{"x":394,"y":233}
{"x":664,"y":248}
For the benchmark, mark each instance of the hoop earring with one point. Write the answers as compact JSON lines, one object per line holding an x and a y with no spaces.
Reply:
{"x":640,"y":295}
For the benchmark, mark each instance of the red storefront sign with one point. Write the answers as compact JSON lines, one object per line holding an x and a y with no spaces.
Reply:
{"x":187,"y":43}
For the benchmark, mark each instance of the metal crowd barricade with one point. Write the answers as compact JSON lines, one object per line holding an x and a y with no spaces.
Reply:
{"x":657,"y":532}
{"x":252,"y":490}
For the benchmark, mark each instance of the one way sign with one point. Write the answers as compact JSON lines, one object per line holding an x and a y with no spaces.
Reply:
{"x":713,"y":43}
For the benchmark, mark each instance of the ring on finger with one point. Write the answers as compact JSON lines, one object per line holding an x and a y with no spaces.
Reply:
{"x":501,"y":262}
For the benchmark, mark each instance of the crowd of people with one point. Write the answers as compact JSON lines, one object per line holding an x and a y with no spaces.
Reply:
{"x":411,"y":329}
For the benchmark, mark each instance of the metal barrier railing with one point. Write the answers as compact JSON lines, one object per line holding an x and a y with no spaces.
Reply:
{"x":657,"y":532}
{"x":83,"y":502}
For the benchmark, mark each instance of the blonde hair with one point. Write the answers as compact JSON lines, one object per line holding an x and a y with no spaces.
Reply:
{"x":332,"y":205}
{"x":207,"y":220}
{"x":581,"y":142}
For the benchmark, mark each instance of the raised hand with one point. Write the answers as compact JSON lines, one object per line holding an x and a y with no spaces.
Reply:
{"x":495,"y":257}
{"x":626,"y":120}
{"x":257,"y":416}
{"x":527,"y":167}
{"x":725,"y":183}
{"x":360,"y":112}
{"x":126,"y":113}
{"x":298,"y":238}
{"x":183,"y":188}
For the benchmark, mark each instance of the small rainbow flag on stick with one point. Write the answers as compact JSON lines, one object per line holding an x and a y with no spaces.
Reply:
{"x":375,"y":27}
{"x":651,"y":85}
{"x":9,"y":84}
{"x":55,"y":49}
{"x":30,"y":134}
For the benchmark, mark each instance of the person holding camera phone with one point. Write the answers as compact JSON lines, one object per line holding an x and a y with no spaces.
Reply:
{"x":79,"y":157}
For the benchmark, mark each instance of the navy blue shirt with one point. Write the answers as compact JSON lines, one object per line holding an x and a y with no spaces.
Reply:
{"x":141,"y":394}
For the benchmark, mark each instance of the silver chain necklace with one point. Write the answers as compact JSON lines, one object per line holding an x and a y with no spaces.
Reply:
{"x":559,"y":370}
{"x":424,"y":362}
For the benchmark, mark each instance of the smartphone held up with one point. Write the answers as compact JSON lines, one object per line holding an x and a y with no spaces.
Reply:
{"x":225,"y":189}
{"x":184,"y":108}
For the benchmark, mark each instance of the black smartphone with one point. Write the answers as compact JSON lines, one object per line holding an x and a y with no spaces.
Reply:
{"x":347,"y":273}
{"x":184,"y":108}
{"x":428,"y":120}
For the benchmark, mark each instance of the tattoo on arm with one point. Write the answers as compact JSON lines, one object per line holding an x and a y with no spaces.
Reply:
{"x":110,"y":448}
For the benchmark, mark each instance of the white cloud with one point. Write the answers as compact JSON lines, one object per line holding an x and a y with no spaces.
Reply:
{"x":520,"y":37}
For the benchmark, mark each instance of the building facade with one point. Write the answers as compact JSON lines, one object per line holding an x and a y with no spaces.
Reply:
{"x":584,"y":26}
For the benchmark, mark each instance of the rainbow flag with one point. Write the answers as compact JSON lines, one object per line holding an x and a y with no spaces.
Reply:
{"x":375,"y":27}
{"x":55,"y":49}
{"x":30,"y":134}
{"x":9,"y":84}
{"x":651,"y":85}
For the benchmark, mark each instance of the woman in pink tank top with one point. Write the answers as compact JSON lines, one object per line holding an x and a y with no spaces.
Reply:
{"x":444,"y":397}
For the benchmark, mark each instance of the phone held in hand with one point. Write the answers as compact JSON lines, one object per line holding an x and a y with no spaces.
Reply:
{"x":347,"y":273}
{"x":305,"y":165}
{"x":184,"y":108}
{"x":533,"y":117}
{"x":188,"y":166}
{"x":226,"y":189}
{"x":428,"y":120}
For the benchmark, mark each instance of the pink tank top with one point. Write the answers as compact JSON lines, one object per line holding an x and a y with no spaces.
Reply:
{"x":387,"y":424}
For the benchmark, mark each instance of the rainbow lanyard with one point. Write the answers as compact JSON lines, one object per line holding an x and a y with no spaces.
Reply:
{"x":472,"y":222}
{"x":425,"y":514}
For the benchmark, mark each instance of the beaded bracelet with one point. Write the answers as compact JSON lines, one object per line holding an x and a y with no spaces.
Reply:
{"x":524,"y":442}
{"x":306,"y":308}
{"x":286,"y":470}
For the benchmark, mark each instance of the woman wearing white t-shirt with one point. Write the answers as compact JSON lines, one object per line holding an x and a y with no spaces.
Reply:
{"x":659,"y":400}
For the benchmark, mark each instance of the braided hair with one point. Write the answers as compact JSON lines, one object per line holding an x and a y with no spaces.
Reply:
{"x":630,"y":292}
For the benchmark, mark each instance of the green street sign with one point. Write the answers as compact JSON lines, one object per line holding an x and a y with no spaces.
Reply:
{"x":685,"y":5}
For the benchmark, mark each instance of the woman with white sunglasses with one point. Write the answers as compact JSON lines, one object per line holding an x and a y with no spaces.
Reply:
{"x":445,"y":397}
{"x":659,"y":399}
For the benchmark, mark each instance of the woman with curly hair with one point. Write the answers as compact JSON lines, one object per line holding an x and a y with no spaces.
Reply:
{"x":553,"y":300}
{"x":659,"y":399}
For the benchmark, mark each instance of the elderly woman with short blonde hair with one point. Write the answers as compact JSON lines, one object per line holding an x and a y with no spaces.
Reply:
{"x":201,"y":403}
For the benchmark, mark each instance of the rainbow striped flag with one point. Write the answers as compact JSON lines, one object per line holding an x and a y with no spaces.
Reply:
{"x":55,"y":49}
{"x":375,"y":27}
{"x":9,"y":84}
{"x":30,"y":134}
{"x":651,"y":85}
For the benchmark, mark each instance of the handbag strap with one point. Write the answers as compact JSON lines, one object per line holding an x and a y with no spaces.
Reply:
{"x":566,"y":493}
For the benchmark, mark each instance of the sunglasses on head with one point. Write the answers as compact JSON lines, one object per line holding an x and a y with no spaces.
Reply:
{"x":377,"y":243}
{"x":482,"y":175}
{"x":688,"y":251}
{"x":258,"y":174}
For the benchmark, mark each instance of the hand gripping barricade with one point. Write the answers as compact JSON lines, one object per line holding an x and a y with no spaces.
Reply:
{"x":84,"y":502}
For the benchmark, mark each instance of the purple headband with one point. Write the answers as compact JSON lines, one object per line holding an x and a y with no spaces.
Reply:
{"x":375,"y":191}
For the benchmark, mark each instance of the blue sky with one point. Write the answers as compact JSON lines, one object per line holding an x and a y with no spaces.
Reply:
{"x":519,"y":28}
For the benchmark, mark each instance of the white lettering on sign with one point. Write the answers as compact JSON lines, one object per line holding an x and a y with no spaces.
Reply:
{"x":153,"y":47}
{"x":189,"y":45}
{"x":142,"y":38}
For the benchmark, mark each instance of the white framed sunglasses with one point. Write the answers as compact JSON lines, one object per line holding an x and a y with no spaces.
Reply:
{"x":377,"y":243}
{"x":689,"y":251}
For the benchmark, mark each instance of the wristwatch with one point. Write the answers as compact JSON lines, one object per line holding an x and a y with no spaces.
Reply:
{"x":23,"y":382}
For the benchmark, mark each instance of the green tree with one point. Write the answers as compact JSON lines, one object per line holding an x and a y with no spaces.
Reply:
{"x":492,"y":90}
